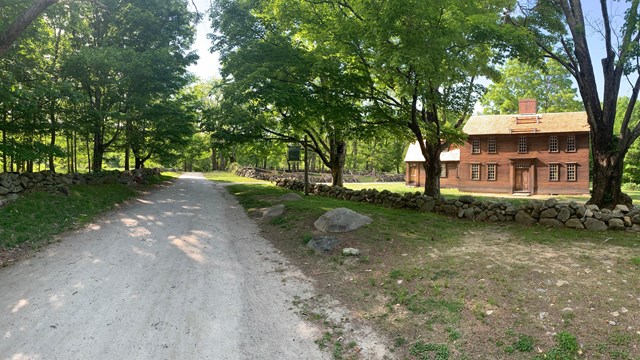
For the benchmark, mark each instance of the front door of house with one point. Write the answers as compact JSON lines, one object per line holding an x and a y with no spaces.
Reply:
{"x":413,"y":175}
{"x":521,"y":182}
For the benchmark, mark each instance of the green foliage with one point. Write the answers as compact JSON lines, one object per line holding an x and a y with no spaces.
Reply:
{"x":550,"y":85}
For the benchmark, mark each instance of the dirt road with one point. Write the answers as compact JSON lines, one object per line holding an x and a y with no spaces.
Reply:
{"x":180,"y":274}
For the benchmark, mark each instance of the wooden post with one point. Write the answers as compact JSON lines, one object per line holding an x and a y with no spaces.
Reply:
{"x":306,"y":168}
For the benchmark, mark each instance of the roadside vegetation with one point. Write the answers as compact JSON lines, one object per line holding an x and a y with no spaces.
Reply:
{"x":37,"y":216}
{"x":443,"y":288}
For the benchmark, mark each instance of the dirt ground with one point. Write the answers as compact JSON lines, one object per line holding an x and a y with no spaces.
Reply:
{"x":180,"y":273}
{"x":489,"y":295}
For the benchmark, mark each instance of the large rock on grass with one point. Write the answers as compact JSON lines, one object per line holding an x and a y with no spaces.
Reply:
{"x":341,"y":220}
{"x":273,"y":211}
{"x":290,"y":197}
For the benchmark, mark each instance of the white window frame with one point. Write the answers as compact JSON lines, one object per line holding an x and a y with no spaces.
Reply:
{"x":475,"y":168}
{"x":553,"y":143}
{"x":475,"y":146}
{"x":572,"y":168}
{"x":492,"y":172}
{"x":493,"y":146}
{"x":522,"y":145}
{"x":443,"y":170}
{"x":571,"y":143}
{"x":554,"y":175}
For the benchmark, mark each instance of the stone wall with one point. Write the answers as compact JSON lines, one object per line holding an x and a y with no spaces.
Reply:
{"x":270,"y":175}
{"x":550,"y":212}
{"x":12,"y":183}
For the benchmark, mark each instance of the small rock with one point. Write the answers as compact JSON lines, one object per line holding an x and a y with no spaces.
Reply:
{"x":350,"y":252}
{"x":615,"y":314}
{"x":623,"y":208}
{"x":542,"y":315}
{"x":612,"y":323}
{"x":489,"y":312}
{"x":567,"y":310}
{"x":561,"y":282}
{"x":624,"y":310}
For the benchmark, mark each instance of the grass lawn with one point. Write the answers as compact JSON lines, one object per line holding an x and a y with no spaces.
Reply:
{"x":36,"y":216}
{"x":227,"y":177}
{"x":442,"y":288}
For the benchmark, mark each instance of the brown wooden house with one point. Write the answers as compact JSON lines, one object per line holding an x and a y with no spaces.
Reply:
{"x":525,"y":154}
{"x":415,"y":173}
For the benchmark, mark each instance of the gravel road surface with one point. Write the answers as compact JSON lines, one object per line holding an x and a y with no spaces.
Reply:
{"x":179,"y":274}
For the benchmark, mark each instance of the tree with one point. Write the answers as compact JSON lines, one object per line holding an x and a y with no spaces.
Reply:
{"x":120,"y":73}
{"x":13,"y":32}
{"x":550,"y":85}
{"x":560,"y":31}
{"x":289,"y":85}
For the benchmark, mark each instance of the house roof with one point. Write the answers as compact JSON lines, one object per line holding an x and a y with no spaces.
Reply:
{"x":415,"y":155}
{"x":519,"y":124}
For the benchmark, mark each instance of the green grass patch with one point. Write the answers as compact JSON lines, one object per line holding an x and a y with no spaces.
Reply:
{"x":423,"y":351}
{"x":566,"y":348}
{"x":227,"y":177}
{"x":36,"y":216}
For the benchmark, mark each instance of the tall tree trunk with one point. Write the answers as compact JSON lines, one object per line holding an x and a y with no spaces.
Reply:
{"x":52,"y":115}
{"x":69,"y":155}
{"x":354,"y":153}
{"x":214,"y":159}
{"x":98,"y":152}
{"x":126,"y":157}
{"x":337,"y":157}
{"x":139,"y":162}
{"x":88,"y":155}
{"x":432,"y":170}
{"x":4,"y":142}
{"x":74,"y":158}
{"x":608,"y":166}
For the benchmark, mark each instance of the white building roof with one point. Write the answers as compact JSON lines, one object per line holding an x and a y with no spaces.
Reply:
{"x":415,"y":155}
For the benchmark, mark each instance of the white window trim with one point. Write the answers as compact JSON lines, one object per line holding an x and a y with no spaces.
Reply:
{"x":474,"y":149}
{"x":495,"y":171}
{"x":575,"y":143}
{"x":557,"y":166}
{"x":495,"y":146}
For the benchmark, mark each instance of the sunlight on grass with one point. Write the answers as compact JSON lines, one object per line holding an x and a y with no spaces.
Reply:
{"x":32,"y":217}
{"x":172,"y":174}
{"x":401,"y":188}
{"x":227,"y":177}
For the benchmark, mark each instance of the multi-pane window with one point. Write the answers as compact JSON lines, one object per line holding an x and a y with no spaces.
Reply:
{"x":554,"y":172}
{"x":572,"y":172}
{"x":571,"y":143}
{"x":553,"y":143}
{"x":443,"y":170}
{"x":491,"y":171}
{"x":522,"y":145}
{"x":492,"y":145}
{"x":475,"y":171}
{"x":475,"y":146}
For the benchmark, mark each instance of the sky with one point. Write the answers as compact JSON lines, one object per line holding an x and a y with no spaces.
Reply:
{"x":208,"y":65}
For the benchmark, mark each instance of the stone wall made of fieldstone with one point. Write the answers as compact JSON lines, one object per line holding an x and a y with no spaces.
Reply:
{"x":550,"y":212}
{"x":271,"y":175}
{"x":12,"y":183}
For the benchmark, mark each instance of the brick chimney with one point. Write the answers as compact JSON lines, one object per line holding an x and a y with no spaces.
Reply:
{"x":527,"y":106}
